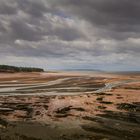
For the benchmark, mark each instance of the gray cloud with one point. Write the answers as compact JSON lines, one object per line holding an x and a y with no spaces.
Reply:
{"x":104,"y":12}
{"x":114,"y":16}
{"x":25,"y":31}
{"x":35,"y":8}
{"x":7,"y":7}
{"x":71,"y":33}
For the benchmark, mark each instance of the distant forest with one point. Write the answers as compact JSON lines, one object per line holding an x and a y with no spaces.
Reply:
{"x":7,"y":68}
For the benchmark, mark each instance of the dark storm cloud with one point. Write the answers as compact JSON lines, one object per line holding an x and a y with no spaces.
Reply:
{"x":116,"y":16}
{"x":104,"y":12}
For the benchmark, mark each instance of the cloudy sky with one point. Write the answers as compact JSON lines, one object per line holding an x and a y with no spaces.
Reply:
{"x":71,"y":34}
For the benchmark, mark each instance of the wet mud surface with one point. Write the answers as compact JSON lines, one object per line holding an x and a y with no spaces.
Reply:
{"x":108,"y":115}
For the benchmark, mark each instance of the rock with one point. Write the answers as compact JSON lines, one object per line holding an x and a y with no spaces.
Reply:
{"x":129,"y":107}
{"x":106,"y":102}
{"x":100,"y":99}
{"x":3,"y":123}
{"x":78,"y":108}
{"x":63,"y":110}
{"x":101,"y":107}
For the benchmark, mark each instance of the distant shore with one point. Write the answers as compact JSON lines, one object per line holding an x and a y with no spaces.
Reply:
{"x":13,"y":69}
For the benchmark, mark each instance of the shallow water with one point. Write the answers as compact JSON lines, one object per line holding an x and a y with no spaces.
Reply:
{"x":57,"y":87}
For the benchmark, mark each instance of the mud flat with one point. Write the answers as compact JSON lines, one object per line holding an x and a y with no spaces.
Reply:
{"x":69,"y":106}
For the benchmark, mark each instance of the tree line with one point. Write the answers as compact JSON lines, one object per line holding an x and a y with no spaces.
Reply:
{"x":7,"y":68}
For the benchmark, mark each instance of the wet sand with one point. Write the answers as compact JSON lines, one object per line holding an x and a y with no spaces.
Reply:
{"x":66,"y":106}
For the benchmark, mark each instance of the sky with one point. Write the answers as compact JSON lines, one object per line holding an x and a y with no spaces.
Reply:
{"x":71,"y":34}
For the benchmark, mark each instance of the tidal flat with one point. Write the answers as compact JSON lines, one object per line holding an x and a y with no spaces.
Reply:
{"x":69,"y":106}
